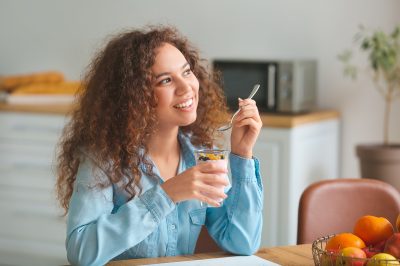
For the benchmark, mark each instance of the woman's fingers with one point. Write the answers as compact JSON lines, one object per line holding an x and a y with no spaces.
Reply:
{"x":246,"y":127}
{"x":203,"y":198}
{"x":244,"y":102}
{"x":212,"y":167}
{"x":215,"y":180}
{"x":213,"y":175}
{"x":248,"y":122}
{"x":203,"y":180}
{"x":210,"y":194}
{"x":248,"y":116}
{"x":210,"y":186}
{"x":248,"y":111}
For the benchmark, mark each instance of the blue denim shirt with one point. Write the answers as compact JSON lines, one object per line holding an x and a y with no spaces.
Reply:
{"x":103,"y":225}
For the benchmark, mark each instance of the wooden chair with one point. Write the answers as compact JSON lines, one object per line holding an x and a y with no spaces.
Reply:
{"x":205,"y":243}
{"x":333,"y":206}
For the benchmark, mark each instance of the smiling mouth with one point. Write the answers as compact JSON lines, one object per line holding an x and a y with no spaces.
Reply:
{"x":185,"y":104}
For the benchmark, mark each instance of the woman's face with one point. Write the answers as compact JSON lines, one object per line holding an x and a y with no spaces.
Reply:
{"x":176,"y":88}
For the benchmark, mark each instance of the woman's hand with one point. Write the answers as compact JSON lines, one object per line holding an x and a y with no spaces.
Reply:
{"x":201,"y":182}
{"x":246,"y":128}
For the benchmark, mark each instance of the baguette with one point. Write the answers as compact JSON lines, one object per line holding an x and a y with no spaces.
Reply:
{"x":70,"y":87}
{"x":11,"y":82}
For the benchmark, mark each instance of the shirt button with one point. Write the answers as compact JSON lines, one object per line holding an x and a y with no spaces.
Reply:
{"x":173,"y":226}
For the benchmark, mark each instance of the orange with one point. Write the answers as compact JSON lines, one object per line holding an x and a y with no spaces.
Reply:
{"x":373,"y":229}
{"x":344,"y":240}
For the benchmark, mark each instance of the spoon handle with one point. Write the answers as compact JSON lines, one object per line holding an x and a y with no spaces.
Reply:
{"x":254,"y":91}
{"x":233,"y":116}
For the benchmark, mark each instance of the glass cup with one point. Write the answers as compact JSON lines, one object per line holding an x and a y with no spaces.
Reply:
{"x":218,"y":156}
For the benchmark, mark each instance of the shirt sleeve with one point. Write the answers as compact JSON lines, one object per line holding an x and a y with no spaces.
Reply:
{"x":96,"y":234}
{"x":237,"y":225}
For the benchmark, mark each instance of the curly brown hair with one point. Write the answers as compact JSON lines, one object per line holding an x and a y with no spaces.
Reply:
{"x":115,"y":112}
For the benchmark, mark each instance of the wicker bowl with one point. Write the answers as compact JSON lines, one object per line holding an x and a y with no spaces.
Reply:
{"x":326,"y":258}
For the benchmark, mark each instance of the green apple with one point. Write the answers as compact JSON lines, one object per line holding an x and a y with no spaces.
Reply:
{"x":382,"y":259}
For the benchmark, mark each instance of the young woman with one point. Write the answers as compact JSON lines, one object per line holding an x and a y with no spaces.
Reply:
{"x":127,"y":176}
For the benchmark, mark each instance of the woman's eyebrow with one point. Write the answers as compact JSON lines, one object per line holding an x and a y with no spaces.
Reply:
{"x":166,"y":73}
{"x":185,"y":65}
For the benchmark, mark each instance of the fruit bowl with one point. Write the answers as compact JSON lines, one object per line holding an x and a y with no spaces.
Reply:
{"x":326,"y":258}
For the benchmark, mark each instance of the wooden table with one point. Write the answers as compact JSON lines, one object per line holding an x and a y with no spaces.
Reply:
{"x":300,"y":255}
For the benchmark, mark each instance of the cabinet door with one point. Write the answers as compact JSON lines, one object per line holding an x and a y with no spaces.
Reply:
{"x":271,"y":149}
{"x":290,"y":160}
{"x":40,"y":128}
{"x":314,"y":156}
{"x":33,"y":230}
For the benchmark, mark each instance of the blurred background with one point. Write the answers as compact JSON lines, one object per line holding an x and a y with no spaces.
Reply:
{"x":63,"y":35}
{"x":44,"y":35}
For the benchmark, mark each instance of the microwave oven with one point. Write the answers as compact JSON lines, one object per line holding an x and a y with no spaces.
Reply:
{"x":286,"y":86}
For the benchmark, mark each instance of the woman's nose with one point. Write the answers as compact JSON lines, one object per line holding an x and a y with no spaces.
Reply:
{"x":182,"y":87}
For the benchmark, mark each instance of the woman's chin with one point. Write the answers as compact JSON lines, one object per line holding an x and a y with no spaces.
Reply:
{"x":188,"y":122}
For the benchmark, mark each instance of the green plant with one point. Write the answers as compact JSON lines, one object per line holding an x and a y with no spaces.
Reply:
{"x":383,"y":51}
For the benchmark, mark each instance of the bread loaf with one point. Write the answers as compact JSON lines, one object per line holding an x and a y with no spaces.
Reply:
{"x":11,"y":82}
{"x":70,"y":87}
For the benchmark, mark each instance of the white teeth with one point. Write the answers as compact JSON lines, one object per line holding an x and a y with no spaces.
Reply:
{"x":185,"y":104}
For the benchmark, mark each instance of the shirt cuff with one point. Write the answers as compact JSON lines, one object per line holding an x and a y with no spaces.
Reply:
{"x":157,"y":202}
{"x":243,"y":168}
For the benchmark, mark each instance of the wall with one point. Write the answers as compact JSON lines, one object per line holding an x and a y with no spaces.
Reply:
{"x":45,"y":34}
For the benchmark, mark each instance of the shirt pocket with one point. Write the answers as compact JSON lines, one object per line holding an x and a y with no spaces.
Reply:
{"x":197,"y":220}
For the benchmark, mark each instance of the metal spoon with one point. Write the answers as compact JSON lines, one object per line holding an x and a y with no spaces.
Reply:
{"x":229,"y":125}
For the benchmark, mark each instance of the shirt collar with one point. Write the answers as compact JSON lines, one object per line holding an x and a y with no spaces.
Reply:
{"x":186,"y":149}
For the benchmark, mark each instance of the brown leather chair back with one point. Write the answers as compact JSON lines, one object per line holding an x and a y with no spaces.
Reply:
{"x":205,"y":243}
{"x":333,"y":206}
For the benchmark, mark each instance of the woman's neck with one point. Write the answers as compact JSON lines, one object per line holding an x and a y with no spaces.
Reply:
{"x":164,"y":145}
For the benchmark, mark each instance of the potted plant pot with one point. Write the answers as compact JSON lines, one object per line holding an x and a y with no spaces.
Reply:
{"x":379,"y":161}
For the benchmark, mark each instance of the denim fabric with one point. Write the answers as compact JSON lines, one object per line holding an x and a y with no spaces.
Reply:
{"x":103,"y":225}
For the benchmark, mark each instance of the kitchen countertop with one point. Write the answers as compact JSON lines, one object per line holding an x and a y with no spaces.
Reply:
{"x":269,"y":119}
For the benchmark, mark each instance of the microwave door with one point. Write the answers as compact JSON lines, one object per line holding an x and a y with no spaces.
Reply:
{"x":271,"y":88}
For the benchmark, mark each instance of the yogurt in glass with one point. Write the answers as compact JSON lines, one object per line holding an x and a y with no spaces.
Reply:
{"x":218,"y":157}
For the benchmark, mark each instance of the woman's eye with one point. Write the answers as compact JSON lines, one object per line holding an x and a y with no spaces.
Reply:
{"x":187,"y":72}
{"x":165,"y":81}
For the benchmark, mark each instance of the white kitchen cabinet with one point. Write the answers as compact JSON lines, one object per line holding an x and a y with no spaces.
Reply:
{"x":32,"y":230}
{"x":290,"y":160}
